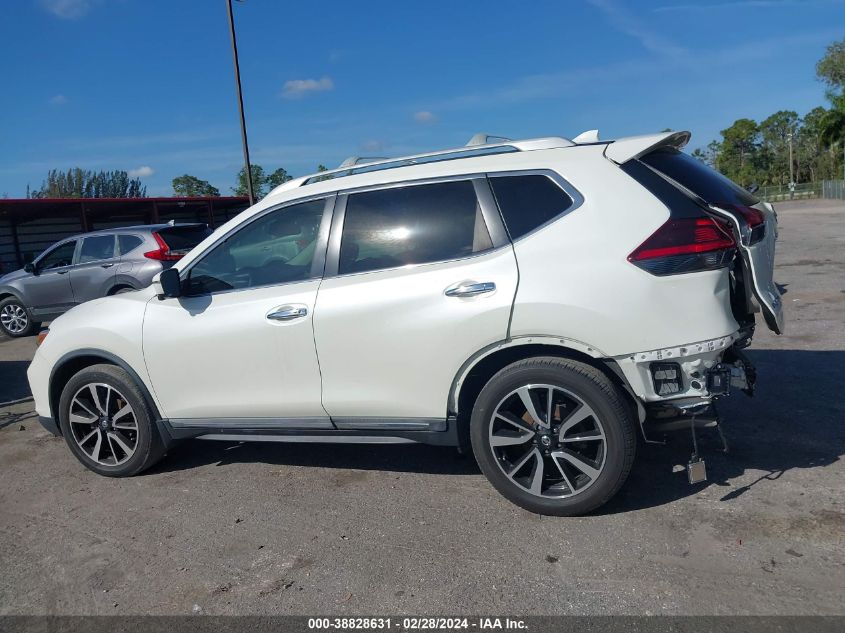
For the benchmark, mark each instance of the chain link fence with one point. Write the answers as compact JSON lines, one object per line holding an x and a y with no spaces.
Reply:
{"x":804,"y":191}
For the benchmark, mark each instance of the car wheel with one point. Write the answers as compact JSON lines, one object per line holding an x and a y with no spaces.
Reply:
{"x":14,"y":318}
{"x":553,"y":436}
{"x":106,"y":422}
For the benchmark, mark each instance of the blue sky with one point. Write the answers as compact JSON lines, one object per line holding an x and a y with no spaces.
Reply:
{"x":146,"y":85}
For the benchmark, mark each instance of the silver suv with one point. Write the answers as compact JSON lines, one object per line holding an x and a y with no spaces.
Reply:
{"x":89,"y":266}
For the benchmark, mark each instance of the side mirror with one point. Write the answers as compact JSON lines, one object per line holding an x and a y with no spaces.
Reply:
{"x":168,"y":284}
{"x":29,"y":267}
{"x":752,"y":188}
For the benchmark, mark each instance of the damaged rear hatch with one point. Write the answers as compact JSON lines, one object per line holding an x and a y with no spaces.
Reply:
{"x":754,"y":222}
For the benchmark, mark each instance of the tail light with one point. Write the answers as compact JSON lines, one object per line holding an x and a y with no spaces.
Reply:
{"x":754,"y":217}
{"x":685,"y":245}
{"x":162,"y":253}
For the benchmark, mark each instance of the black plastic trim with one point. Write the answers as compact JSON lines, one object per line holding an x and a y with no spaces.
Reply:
{"x":447,"y":437}
{"x":50,"y":425}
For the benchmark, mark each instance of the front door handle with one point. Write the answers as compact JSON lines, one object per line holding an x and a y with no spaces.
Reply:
{"x":288,"y":313}
{"x":62,"y":272}
{"x":470,"y":288}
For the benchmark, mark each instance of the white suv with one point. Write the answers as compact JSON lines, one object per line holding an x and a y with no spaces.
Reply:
{"x":542,"y":301}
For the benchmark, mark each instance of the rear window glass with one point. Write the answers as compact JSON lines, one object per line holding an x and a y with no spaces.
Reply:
{"x":706,"y":183}
{"x":128,"y":243}
{"x":528,"y":201}
{"x":181,"y":239}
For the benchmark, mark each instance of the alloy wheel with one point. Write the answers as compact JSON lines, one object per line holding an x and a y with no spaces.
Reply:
{"x":14,"y":318}
{"x":103,"y":424}
{"x":547,"y":441}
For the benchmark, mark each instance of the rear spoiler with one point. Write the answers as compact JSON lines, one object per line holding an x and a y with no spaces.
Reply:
{"x":626,"y":149}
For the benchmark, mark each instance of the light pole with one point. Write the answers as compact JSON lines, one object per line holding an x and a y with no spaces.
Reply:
{"x":791,"y":178}
{"x":247,"y":166}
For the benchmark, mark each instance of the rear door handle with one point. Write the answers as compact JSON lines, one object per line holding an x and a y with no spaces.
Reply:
{"x":62,"y":272}
{"x":470,"y":288}
{"x":106,"y":265}
{"x":288,"y":313}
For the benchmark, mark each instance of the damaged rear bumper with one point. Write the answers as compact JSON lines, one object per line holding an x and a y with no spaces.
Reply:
{"x":693,"y":372}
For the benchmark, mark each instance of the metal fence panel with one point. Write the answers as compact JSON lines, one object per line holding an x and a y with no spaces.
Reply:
{"x":833,"y":189}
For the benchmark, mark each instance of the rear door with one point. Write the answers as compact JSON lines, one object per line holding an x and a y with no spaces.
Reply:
{"x":419,"y":277}
{"x":94,"y":273}
{"x":754,"y":223}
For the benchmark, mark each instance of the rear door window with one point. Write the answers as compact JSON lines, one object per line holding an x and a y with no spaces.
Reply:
{"x":181,"y":239}
{"x":416,"y":224}
{"x":96,"y":248}
{"x":706,"y":183}
{"x":528,"y":201}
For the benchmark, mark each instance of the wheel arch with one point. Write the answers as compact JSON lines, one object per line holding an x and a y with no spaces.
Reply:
{"x":72,"y":363}
{"x":120,"y":285}
{"x":481,"y":367}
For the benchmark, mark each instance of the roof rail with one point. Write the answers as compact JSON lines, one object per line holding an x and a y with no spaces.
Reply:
{"x":484,"y":139}
{"x":348,"y":168}
{"x":360,"y":160}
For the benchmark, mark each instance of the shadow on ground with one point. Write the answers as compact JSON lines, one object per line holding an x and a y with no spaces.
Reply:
{"x":795,"y":420}
{"x":13,"y":382}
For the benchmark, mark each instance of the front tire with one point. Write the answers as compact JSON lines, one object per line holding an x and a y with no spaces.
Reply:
{"x":15,"y":320}
{"x":553,"y":435}
{"x":107,"y":424}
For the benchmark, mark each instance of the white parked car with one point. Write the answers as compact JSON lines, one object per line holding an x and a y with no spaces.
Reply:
{"x":541,"y":301}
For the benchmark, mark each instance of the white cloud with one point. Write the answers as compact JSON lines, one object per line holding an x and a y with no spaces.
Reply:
{"x":372,"y":146}
{"x":67,"y":9}
{"x":629,"y":24}
{"x":424,"y":116}
{"x":296,"y":88}
{"x":145,"y":171}
{"x":58,"y":100}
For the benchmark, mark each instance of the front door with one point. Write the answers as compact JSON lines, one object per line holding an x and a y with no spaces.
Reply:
{"x":48,"y":290}
{"x":96,"y":266}
{"x":237,"y":350}
{"x":425,"y":278}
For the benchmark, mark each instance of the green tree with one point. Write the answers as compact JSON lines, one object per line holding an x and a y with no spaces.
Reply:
{"x":191,"y":186}
{"x":278,"y":177}
{"x":80,"y":183}
{"x":259,"y":182}
{"x":776,"y":132}
{"x":831,"y":68}
{"x":739,"y":153}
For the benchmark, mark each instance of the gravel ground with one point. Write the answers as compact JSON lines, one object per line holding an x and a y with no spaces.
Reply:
{"x":222,"y":528}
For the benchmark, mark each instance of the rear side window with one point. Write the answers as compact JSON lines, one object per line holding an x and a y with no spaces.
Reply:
{"x":181,"y":239}
{"x":128,"y":243}
{"x":96,"y":248}
{"x":528,"y":201}
{"x":704,"y":182}
{"x":412,"y":225}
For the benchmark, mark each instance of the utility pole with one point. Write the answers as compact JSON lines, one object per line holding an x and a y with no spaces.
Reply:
{"x":791,"y":177}
{"x":247,"y":166}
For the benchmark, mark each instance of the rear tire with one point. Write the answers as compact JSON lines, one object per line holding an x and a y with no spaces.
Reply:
{"x":15,"y":320}
{"x":107,"y":424}
{"x":553,"y":435}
